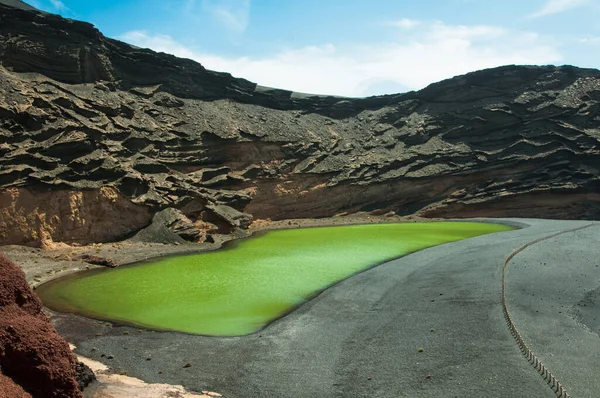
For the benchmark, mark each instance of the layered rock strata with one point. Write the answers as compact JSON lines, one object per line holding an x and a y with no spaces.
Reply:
{"x":99,"y":138}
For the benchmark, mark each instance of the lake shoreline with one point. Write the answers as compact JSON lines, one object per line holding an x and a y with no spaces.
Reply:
{"x":54,"y":263}
{"x":248,"y":283}
{"x":43,"y":265}
{"x":331,"y":318}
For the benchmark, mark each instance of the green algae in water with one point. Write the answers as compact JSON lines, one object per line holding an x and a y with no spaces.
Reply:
{"x":238,"y":290}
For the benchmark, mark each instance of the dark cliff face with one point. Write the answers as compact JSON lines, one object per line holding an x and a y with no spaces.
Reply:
{"x":92,"y":128}
{"x":18,"y":4}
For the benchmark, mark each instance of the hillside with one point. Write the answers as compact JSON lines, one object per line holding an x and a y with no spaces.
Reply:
{"x":97,"y":137}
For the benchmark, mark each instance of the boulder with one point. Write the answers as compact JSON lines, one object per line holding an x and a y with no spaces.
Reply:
{"x":170,"y":226}
{"x":34,"y":360}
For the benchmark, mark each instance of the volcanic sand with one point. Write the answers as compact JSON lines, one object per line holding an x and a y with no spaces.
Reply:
{"x":429,"y":324}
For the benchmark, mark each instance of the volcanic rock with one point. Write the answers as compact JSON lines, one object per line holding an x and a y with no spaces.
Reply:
{"x":97,"y":260}
{"x":34,"y":360}
{"x":171,"y":226}
{"x":83,"y":375}
{"x":97,"y":137}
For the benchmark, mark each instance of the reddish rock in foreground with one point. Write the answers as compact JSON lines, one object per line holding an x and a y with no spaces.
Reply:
{"x":34,"y":360}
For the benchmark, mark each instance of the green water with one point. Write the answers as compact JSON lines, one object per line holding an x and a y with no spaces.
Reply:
{"x":240,"y":289}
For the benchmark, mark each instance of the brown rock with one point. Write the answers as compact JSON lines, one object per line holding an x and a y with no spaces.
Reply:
{"x":211,"y":394}
{"x":33,"y":357}
{"x":37,"y":218}
{"x":8,"y":388}
{"x":97,"y":260}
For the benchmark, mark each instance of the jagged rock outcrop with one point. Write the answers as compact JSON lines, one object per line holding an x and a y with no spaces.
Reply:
{"x":34,"y":360}
{"x":39,"y":217}
{"x":81,"y":113}
{"x":172,"y":226}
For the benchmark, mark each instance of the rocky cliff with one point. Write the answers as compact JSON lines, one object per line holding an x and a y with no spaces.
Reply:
{"x":34,"y":360}
{"x":98,"y":137}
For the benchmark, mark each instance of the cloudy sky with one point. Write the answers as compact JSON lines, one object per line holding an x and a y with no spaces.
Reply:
{"x":351,"y":47}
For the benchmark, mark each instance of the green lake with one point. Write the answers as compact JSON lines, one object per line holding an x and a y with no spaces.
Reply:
{"x":241,"y":288}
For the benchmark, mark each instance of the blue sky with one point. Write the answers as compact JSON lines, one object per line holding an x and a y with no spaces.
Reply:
{"x":351,"y":47}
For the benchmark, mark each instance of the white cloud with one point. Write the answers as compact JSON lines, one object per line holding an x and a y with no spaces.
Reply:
{"x":406,"y":23}
{"x":438,"y":31}
{"x":232,"y":14}
{"x":58,"y":5}
{"x":160,"y":43}
{"x":557,"y":6}
{"x":429,"y":53}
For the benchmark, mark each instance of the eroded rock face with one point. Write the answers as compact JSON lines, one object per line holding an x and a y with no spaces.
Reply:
{"x":84,"y":113}
{"x":172,"y":226}
{"x":34,"y":360}
{"x":40,"y":217}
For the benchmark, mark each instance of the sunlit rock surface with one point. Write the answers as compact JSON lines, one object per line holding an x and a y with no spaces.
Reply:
{"x":83,"y":113}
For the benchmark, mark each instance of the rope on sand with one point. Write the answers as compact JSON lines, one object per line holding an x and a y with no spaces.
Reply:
{"x":556,"y":385}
